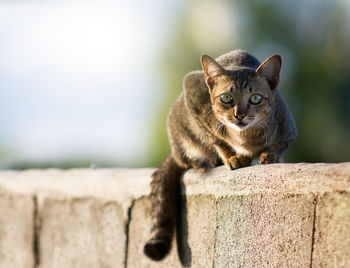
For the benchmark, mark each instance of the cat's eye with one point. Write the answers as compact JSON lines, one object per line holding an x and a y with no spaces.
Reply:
{"x":255,"y":98}
{"x":226,"y":98}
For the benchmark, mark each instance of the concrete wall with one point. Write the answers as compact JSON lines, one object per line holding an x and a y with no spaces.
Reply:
{"x":281,"y":215}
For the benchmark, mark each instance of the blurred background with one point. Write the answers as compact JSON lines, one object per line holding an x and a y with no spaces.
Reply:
{"x":92,"y":81}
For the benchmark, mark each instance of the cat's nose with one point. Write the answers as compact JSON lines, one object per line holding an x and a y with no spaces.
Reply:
{"x":239,"y":116}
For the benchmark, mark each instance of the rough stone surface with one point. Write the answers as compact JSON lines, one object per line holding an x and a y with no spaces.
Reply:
{"x":139,"y":232}
{"x":197,"y":227}
{"x":264,"y":230}
{"x":196,"y":230}
{"x":81,"y":216}
{"x":16,"y":230}
{"x":332,"y":230}
{"x":81,"y":233}
{"x":121,"y":185}
{"x":280,"y":215}
{"x":276,"y":178}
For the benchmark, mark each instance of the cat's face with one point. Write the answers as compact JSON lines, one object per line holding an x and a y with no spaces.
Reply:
{"x":243,"y":102}
{"x":243,"y":97}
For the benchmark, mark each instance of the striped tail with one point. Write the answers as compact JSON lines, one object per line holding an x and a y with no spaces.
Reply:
{"x":164,"y":201}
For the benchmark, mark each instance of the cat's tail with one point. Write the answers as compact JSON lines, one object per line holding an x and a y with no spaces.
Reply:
{"x":164,"y":199}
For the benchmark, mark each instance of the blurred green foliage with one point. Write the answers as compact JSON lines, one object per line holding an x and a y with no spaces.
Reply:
{"x":313,"y":39}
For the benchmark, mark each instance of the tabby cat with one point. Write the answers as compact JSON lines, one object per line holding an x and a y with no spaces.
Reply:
{"x":226,"y":114}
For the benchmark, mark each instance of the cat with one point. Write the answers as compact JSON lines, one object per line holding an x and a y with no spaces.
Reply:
{"x":226,"y":114}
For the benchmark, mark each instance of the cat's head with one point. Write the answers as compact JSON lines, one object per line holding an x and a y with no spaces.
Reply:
{"x":242,"y":97}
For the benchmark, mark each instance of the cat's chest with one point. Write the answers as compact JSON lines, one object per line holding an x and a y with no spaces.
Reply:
{"x":248,"y":143}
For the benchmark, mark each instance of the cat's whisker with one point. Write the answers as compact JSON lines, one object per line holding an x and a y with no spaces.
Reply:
{"x":207,"y":113}
{"x":220,"y":127}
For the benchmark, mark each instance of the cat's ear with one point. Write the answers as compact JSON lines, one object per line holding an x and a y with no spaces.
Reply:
{"x":270,"y":69}
{"x":212,"y":70}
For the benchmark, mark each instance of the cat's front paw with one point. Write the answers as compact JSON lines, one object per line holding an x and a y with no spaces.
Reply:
{"x":237,"y":161}
{"x":269,"y":158}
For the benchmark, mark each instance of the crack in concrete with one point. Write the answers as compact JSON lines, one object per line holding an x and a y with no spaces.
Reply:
{"x":36,"y":233}
{"x":215,"y":233}
{"x":313,"y":230}
{"x":127,"y":226}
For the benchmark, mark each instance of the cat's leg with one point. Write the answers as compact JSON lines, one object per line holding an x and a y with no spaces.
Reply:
{"x":269,"y":158}
{"x":274,"y":155}
{"x":180,"y":156}
{"x":200,"y":161}
{"x":230,"y":158}
{"x":239,"y":160}
{"x":190,"y":156}
{"x":208,"y":158}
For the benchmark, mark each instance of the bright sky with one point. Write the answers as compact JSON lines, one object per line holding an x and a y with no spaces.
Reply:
{"x":77,"y":77}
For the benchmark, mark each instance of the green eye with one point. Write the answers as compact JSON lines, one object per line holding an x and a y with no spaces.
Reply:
{"x":256,"y":98}
{"x":226,"y":98}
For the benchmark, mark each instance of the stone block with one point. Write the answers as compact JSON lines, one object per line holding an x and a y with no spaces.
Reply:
{"x":81,"y":232}
{"x":197,"y":227}
{"x":16,"y":230}
{"x":264,"y":230}
{"x":332,"y":230}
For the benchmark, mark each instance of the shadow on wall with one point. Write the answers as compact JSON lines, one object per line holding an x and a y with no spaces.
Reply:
{"x":183,"y":248}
